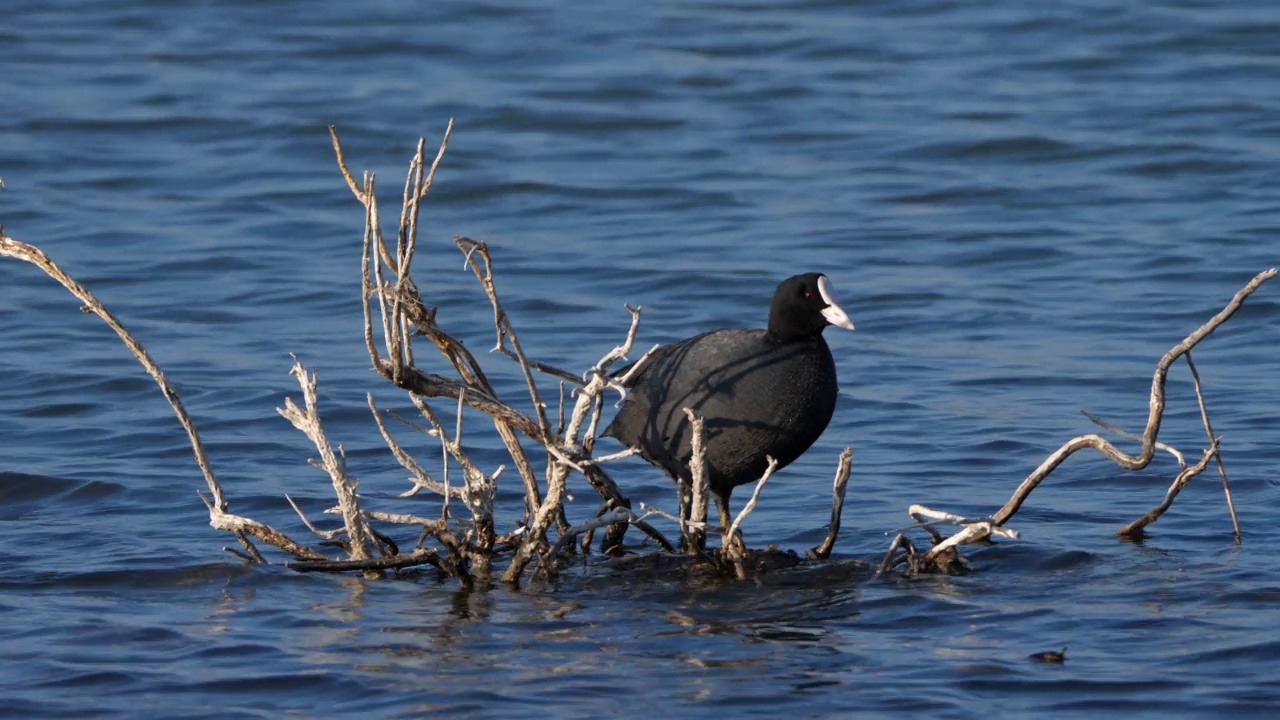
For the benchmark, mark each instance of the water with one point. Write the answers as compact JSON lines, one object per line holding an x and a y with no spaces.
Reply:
{"x":1022,"y":208}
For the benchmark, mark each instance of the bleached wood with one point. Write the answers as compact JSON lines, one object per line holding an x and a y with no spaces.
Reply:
{"x":307,"y":420}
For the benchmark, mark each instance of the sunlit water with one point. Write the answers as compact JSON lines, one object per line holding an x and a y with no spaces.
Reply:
{"x":1022,"y":207}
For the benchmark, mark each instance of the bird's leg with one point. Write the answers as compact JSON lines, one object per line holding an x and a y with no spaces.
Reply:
{"x":722,"y":507}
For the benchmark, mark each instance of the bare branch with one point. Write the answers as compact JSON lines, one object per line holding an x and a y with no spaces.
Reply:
{"x":731,"y":540}
{"x":420,"y":476}
{"x":890,"y":557}
{"x":1208,"y":429}
{"x":1184,"y":477}
{"x":29,"y":253}
{"x":502,"y":324}
{"x":838,"y":486}
{"x":236,"y":524}
{"x":253,"y":554}
{"x":428,"y":524}
{"x":422,"y":556}
{"x":342,"y":166}
{"x":326,"y":534}
{"x":1140,"y":461}
{"x":616,"y":515}
{"x":1175,"y":452}
{"x":308,"y":422}
{"x":701,"y":488}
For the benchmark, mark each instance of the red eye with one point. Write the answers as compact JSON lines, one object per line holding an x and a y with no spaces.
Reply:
{"x":808,"y":295}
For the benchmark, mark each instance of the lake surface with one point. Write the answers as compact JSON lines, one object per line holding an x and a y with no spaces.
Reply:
{"x":1022,"y":207}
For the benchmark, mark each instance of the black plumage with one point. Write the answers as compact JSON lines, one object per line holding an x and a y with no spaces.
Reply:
{"x":761,"y":392}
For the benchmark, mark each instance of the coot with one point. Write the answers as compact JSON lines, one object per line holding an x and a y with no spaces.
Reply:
{"x":761,"y":392}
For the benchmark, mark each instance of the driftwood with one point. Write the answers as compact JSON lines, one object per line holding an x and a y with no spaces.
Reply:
{"x":465,"y":532}
{"x":979,"y":530}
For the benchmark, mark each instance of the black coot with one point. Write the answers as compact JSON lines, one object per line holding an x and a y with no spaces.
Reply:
{"x":761,"y":393}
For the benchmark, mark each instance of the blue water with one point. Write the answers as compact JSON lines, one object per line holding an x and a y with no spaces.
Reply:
{"x":1022,"y":207}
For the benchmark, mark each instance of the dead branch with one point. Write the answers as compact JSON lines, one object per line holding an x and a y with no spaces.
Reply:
{"x":731,"y":540}
{"x":324,"y":534}
{"x":977,"y":530}
{"x":219,"y":516}
{"x":1135,"y":528}
{"x":1139,"y":461}
{"x":838,"y":487}
{"x":242,"y":525}
{"x":1175,"y":452}
{"x":480,"y":489}
{"x":420,"y":478}
{"x":1217,"y":454}
{"x":700,"y":490}
{"x":308,"y":422}
{"x":610,"y":517}
{"x":502,"y":323}
{"x":891,"y":556}
{"x":423,"y":556}
{"x":29,"y":253}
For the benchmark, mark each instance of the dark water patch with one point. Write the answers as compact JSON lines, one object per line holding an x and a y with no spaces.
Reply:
{"x":18,"y":488}
{"x":115,"y":680}
{"x":58,"y":411}
{"x":1014,"y":557}
{"x":157,"y":578}
{"x":1254,"y":652}
{"x":1030,"y":147}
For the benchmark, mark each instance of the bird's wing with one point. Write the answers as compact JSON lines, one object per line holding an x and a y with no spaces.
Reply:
{"x":653,"y":359}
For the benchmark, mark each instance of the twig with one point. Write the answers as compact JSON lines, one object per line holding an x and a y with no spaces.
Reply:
{"x":919,"y":512}
{"x":326,"y":534}
{"x":429,"y":524}
{"x":432,"y":385}
{"x":480,"y":488}
{"x":267,"y":534}
{"x":616,"y":515}
{"x":422,"y":187}
{"x":502,"y":323}
{"x":308,"y":422}
{"x":1208,"y":429}
{"x":696,"y":538}
{"x":360,"y":193}
{"x":249,"y":547}
{"x":241,"y":555}
{"x":543,"y":368}
{"x":684,"y":524}
{"x":1175,"y":452}
{"x":755,"y":497}
{"x":420,"y":477}
{"x":731,"y":540}
{"x":838,"y":487}
{"x":890,"y":558}
{"x":1184,"y":477}
{"x":616,"y":456}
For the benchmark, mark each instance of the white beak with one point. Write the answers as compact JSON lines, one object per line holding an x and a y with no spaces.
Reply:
{"x":832,"y":312}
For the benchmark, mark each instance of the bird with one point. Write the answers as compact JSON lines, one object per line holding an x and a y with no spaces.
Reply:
{"x":762,"y":392}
